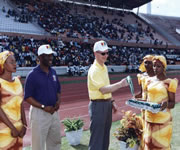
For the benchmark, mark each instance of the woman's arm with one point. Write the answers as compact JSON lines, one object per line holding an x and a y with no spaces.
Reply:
{"x":7,"y":122}
{"x":23,"y":116}
{"x":170,"y":103}
{"x":23,"y":119}
{"x":139,"y":95}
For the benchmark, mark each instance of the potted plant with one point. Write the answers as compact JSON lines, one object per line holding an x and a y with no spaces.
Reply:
{"x":129,"y":133}
{"x":73,"y":130}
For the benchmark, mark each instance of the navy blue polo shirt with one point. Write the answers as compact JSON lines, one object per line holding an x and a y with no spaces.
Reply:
{"x":42,"y":87}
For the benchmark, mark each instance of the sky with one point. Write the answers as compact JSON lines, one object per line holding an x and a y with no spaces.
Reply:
{"x":162,"y":7}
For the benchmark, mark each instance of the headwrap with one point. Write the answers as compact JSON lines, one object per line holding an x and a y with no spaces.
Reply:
{"x":3,"y":56}
{"x":142,"y":68}
{"x":162,"y":59}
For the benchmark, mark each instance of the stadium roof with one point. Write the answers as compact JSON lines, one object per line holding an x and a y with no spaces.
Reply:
{"x":127,"y":4}
{"x":123,"y":4}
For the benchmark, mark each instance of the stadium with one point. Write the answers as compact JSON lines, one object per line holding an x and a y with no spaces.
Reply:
{"x":71,"y":28}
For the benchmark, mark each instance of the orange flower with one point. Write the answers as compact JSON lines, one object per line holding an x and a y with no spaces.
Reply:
{"x":130,"y":130}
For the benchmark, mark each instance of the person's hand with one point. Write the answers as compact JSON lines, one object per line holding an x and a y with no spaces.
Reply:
{"x":138,"y":96}
{"x":14,"y":132}
{"x":164,"y":105}
{"x":22,"y":132}
{"x":114,"y":107}
{"x":134,"y":98}
{"x":138,"y":99}
{"x":56,"y":108}
{"x":124,"y":82}
{"x":49,"y":109}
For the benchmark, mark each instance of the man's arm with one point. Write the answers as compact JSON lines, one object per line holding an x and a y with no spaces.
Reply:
{"x":113,"y":87}
{"x":58,"y":102}
{"x":35,"y":103}
{"x":58,"y":94}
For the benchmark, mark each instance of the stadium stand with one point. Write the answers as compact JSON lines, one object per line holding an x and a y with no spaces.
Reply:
{"x":74,"y":53}
{"x":167,"y":26}
{"x":77,"y":21}
{"x":12,"y":22}
{"x":73,"y":30}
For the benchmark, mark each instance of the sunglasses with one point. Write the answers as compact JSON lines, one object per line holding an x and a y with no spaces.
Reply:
{"x":105,"y":53}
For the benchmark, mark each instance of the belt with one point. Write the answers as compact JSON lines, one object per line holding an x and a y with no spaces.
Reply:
{"x":100,"y":100}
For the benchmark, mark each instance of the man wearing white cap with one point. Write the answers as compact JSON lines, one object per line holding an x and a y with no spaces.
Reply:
{"x":42,"y":92}
{"x":101,"y":102}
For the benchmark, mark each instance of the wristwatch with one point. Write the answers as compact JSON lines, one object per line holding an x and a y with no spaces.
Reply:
{"x":42,"y":106}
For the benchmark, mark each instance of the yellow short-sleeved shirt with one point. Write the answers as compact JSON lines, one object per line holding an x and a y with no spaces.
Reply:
{"x":97,"y":78}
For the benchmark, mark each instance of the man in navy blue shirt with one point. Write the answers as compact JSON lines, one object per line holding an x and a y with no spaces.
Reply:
{"x":42,"y":92}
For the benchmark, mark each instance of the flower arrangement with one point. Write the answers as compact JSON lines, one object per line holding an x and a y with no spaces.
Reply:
{"x":130,"y":130}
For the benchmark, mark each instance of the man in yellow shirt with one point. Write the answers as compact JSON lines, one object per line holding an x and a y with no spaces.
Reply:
{"x":101,"y":103}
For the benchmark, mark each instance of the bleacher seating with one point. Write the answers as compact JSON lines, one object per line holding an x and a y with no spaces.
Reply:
{"x":168,"y":24}
{"x":130,"y":37}
{"x":8,"y":23}
{"x":74,"y":53}
{"x":77,"y":21}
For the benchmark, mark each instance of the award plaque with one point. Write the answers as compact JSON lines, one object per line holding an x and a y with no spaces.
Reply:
{"x":150,"y":106}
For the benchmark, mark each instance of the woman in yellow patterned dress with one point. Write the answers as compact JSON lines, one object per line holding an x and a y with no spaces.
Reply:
{"x":147,"y":71}
{"x":12,"y":117}
{"x":161,"y":90}
{"x":146,"y":68}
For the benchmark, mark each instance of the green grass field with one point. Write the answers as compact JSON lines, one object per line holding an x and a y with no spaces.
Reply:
{"x":114,"y":145}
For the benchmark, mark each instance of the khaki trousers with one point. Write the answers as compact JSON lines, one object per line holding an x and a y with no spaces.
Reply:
{"x":45,"y":130}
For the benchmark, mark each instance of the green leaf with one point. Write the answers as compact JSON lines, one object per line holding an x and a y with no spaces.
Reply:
{"x":72,"y":124}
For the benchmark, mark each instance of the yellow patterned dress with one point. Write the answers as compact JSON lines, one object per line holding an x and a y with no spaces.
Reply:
{"x":11,"y":99}
{"x":158,"y":126}
{"x":142,"y":78}
{"x":141,"y":81}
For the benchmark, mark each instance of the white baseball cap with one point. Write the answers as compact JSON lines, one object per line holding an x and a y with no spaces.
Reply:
{"x":100,"y":46}
{"x":45,"y":49}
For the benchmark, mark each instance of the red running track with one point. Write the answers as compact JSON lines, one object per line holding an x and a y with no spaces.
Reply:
{"x":75,"y":101}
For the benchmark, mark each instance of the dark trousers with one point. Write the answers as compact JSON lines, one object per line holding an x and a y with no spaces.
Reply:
{"x":100,"y":125}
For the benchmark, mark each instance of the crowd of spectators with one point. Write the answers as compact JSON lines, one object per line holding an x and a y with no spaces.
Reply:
{"x":77,"y":54}
{"x":59,"y":19}
{"x":20,"y":15}
{"x":80,"y":21}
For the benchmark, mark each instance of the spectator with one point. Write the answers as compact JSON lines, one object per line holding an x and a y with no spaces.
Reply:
{"x":13,"y":121}
{"x":44,"y":98}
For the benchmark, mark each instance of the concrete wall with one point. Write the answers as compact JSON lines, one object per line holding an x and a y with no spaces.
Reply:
{"x":23,"y":71}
